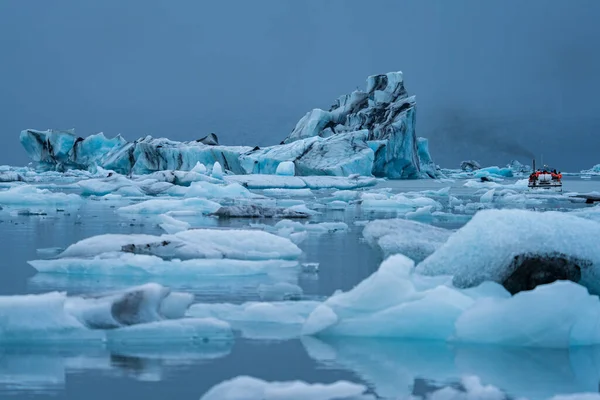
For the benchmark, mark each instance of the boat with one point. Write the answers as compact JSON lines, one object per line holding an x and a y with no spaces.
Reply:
{"x":545,"y":178}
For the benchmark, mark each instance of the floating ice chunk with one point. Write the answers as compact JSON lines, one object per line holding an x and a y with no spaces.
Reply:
{"x":190,"y":244}
{"x":172,"y":225}
{"x":519,"y":249}
{"x":286,"y":168}
{"x":211,"y":191}
{"x":137,"y":315}
{"x":488,"y":196}
{"x":392,"y":303}
{"x":103,"y":186}
{"x":302,"y":208}
{"x":421,"y":213}
{"x":27,"y":195}
{"x":40,"y":318}
{"x":137,"y":305}
{"x":473,"y":390}
{"x":337,"y":205}
{"x":277,"y":312}
{"x":345,"y":195}
{"x":288,"y":227}
{"x":382,"y":304}
{"x":183,"y":330}
{"x":162,"y":206}
{"x":260,"y":320}
{"x":267,"y":181}
{"x":297,"y":182}
{"x":11,"y":176}
{"x":336,"y":182}
{"x":245,"y":387}
{"x":397,"y":202}
{"x":199,"y":168}
{"x":257,"y":211}
{"x":413,"y":239}
{"x":289,"y":192}
{"x":217,"y":171}
{"x":556,"y":315}
{"x":136,"y":265}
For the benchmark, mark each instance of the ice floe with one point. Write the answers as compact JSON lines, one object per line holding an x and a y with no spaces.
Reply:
{"x":30,"y":196}
{"x":187,"y":253}
{"x":246,"y":387}
{"x":259,"y":320}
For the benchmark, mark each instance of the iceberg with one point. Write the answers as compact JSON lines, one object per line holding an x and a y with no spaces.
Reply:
{"x":470,"y":165}
{"x":413,"y":239}
{"x":595,"y":170}
{"x":520,"y":249}
{"x":194,"y":252}
{"x":28,"y":195}
{"x":367,"y":133}
{"x":396,"y":302}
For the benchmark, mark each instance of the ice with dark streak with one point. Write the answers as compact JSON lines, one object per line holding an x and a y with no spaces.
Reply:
{"x":366,"y":133}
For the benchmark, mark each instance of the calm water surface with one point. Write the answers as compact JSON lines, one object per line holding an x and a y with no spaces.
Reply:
{"x":390,"y":368}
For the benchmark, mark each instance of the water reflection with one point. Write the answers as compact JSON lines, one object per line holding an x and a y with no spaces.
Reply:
{"x":394,"y":368}
{"x":44,"y":369}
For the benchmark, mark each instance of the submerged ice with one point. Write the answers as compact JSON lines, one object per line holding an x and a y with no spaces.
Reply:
{"x":368,"y":133}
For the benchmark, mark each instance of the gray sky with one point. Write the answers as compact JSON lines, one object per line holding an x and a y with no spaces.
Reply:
{"x":494,"y":79}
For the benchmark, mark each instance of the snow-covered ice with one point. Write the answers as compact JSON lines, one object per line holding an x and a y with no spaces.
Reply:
{"x":518,"y":248}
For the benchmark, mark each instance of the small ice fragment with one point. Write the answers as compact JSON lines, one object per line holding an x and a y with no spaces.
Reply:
{"x":286,"y":168}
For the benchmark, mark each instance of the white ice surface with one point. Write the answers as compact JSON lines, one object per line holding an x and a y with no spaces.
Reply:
{"x":190,"y":252}
{"x":246,"y":388}
{"x":484,"y":248}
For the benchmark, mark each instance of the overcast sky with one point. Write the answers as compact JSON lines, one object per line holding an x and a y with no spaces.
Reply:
{"x":494,"y":80}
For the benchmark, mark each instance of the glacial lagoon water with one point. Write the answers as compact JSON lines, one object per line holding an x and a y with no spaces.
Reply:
{"x":391,"y":369}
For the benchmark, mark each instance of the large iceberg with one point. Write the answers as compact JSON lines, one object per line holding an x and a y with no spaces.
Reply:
{"x":368,"y":132}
